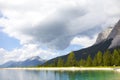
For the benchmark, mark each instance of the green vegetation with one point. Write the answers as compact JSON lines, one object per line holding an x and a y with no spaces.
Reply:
{"x":116,"y":58}
{"x":71,"y":61}
{"x":89,"y":61}
{"x":107,"y":58}
{"x":82,"y":62}
{"x":100,"y":59}
{"x":60,"y":62}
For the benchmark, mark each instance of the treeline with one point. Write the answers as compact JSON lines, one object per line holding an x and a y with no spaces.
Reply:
{"x":100,"y":59}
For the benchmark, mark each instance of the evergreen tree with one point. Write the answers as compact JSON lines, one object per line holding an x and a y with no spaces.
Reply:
{"x":89,"y":61}
{"x":119,"y":55}
{"x":115,"y":58}
{"x":60,"y":63}
{"x":107,"y":58}
{"x":118,"y":51}
{"x":82,"y":62}
{"x":71,"y":61}
{"x":54,"y":64}
{"x":77,"y":63}
{"x":95,"y":61}
{"x":99,"y":58}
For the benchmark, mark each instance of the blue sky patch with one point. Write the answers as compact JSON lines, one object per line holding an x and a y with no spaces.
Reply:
{"x":8,"y":43}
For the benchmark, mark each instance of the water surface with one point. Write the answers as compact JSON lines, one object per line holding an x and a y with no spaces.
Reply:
{"x":58,"y":75}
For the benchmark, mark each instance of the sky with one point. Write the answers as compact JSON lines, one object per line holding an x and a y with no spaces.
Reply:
{"x":50,"y":28}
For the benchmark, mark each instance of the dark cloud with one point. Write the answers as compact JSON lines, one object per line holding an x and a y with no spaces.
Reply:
{"x":54,"y":31}
{"x":58,"y":29}
{"x":91,"y":32}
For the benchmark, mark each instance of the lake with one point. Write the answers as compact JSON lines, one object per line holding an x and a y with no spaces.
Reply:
{"x":58,"y":75}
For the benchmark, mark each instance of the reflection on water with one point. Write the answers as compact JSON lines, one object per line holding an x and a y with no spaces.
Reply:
{"x":57,"y":75}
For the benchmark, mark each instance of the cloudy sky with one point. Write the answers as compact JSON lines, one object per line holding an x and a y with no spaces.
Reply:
{"x":50,"y":28}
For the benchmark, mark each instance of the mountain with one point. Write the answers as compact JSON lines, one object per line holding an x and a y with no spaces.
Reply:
{"x":115,"y":35}
{"x":103,"y":35}
{"x":109,"y":39}
{"x":33,"y":61}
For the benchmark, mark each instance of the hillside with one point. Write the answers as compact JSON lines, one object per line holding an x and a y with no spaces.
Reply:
{"x":107,"y":41}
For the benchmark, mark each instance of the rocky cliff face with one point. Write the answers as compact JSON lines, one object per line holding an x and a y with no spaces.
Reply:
{"x":115,"y":35}
{"x":103,"y":35}
{"x":110,"y":33}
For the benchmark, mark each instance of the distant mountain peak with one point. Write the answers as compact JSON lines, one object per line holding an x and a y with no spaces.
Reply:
{"x":115,"y":31}
{"x":110,"y":33}
{"x":32,"y":61}
{"x":103,"y":35}
{"x":115,"y":35}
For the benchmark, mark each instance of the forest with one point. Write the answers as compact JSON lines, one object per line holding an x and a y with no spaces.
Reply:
{"x":107,"y":58}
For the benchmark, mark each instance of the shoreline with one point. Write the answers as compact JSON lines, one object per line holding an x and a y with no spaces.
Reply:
{"x":116,"y":69}
{"x":66,"y":68}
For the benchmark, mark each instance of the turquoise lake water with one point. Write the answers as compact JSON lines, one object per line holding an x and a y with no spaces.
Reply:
{"x":58,"y":75}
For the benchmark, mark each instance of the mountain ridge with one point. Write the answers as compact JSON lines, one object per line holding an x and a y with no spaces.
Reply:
{"x":32,"y":61}
{"x":102,"y":46}
{"x":115,"y":35}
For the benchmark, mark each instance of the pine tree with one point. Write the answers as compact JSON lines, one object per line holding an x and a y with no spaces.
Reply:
{"x":95,"y":61}
{"x":54,"y":64}
{"x":71,"y":61}
{"x":89,"y":61}
{"x":107,"y":58}
{"x":60,"y":63}
{"x":115,"y":58}
{"x":99,"y":58}
{"x":119,"y":55}
{"x":118,"y":51}
{"x":82,"y":62}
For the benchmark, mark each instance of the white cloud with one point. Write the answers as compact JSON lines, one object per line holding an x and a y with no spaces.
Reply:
{"x":55,"y":23}
{"x":83,"y":41}
{"x":70,"y":17}
{"x":27,"y":51}
{"x":50,"y":22}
